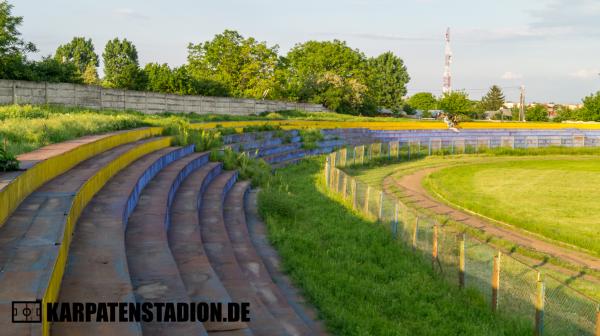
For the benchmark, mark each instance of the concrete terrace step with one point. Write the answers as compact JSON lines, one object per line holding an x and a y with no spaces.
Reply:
{"x":97,"y":264}
{"x":222,"y":258}
{"x":33,"y":237}
{"x":201,"y":282}
{"x":261,"y":144}
{"x":284,"y":156}
{"x":42,"y":165}
{"x":251,"y":264}
{"x":257,"y":233}
{"x":153,"y":271}
{"x":266,"y":151}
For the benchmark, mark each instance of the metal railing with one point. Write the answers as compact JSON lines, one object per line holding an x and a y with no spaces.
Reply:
{"x":508,"y":285}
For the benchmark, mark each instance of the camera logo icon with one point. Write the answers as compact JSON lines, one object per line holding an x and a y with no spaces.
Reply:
{"x":27,"y":311}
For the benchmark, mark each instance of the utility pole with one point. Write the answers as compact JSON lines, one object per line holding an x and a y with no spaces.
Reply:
{"x":522,"y":104}
{"x":447,"y":82}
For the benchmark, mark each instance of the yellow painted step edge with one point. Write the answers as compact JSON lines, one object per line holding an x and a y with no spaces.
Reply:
{"x":23,"y":185}
{"x":81,"y":199}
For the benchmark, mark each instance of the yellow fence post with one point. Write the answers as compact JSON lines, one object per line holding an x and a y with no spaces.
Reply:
{"x":495,"y":281}
{"x":345,"y":186}
{"x":343,"y":157}
{"x":461,"y":261}
{"x":539,"y":307}
{"x":414,"y":234}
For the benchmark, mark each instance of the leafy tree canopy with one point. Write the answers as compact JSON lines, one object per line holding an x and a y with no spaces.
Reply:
{"x":591,"y":108}
{"x":424,"y":101}
{"x":244,"y":66}
{"x":51,"y":70}
{"x":536,"y":113}
{"x":10,"y":37}
{"x":330,"y":73}
{"x":12,"y":48}
{"x":161,"y":78}
{"x":456,"y":102}
{"x":121,"y":68}
{"x":80,"y":51}
{"x":387,"y":80}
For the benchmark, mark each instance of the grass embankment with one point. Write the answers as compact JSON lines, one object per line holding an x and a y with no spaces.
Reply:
{"x":361,"y":280}
{"x":26,"y":128}
{"x":555,"y":198}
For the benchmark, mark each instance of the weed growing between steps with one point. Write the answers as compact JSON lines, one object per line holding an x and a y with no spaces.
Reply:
{"x":256,"y":170}
{"x":310,"y":137}
{"x":261,"y":128}
{"x":361,"y":280}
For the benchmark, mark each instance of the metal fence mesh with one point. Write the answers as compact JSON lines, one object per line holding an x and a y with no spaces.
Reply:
{"x":565,"y":311}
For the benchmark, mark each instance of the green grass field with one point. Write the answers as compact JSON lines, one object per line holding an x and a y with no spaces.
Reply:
{"x":338,"y":259}
{"x":375,"y":175}
{"x":555,"y":198}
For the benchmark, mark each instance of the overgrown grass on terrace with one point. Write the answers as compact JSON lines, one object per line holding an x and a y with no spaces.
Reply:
{"x":361,"y":280}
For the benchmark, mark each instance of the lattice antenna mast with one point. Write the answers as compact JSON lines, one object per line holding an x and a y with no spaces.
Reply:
{"x":447,"y":86}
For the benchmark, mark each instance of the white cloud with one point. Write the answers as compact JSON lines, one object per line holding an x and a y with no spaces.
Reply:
{"x":585,"y":73}
{"x":511,"y":75}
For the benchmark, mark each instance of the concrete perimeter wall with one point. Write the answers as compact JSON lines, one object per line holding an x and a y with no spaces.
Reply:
{"x":96,"y":97}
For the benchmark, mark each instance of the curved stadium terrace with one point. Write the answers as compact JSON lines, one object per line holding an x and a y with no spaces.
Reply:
{"x":127,"y":217}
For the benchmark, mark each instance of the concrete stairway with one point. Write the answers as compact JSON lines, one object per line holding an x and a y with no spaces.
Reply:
{"x":97,"y":269}
{"x":161,"y":224}
{"x":153,"y":271}
{"x":32,"y":237}
{"x":253,"y":270}
{"x":222,"y":259}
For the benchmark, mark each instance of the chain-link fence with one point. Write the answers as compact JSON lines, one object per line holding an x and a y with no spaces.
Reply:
{"x":508,"y":286}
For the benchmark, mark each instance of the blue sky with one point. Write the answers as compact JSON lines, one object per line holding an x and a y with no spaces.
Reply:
{"x":550,"y":46}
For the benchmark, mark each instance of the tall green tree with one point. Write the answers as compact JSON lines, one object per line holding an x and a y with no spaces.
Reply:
{"x":159,"y":77}
{"x":80,"y":52}
{"x":493,"y":100}
{"x":387,"y":80}
{"x":456,"y":102}
{"x":424,"y":101}
{"x":13,"y":48}
{"x":536,"y":113}
{"x":330,"y":73}
{"x":121,"y":68}
{"x":244,"y":66}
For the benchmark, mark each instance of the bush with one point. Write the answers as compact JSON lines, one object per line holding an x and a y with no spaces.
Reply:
{"x":225,"y":130}
{"x":8,"y":161}
{"x":256,"y":170}
{"x":536,"y":113}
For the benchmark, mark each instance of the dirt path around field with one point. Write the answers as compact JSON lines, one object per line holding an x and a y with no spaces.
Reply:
{"x":415,"y":193}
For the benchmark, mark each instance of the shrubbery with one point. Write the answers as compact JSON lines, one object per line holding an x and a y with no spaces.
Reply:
{"x":310,"y":137}
{"x":8,"y":161}
{"x":256,"y":170}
